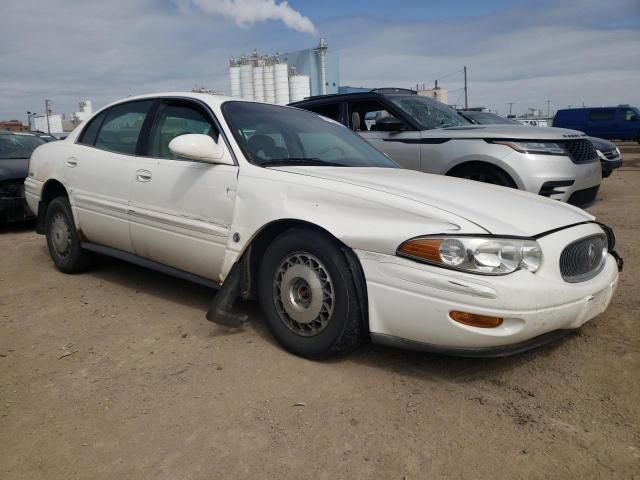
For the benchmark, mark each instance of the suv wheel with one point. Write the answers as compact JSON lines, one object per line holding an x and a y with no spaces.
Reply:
{"x":62,"y":238}
{"x":308,"y":295}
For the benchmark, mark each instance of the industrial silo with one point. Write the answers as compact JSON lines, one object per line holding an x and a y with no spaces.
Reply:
{"x":299,"y":87}
{"x":246,"y":80}
{"x":281,"y":80}
{"x":234,"y":77}
{"x":258,"y":83}
{"x":269,"y":83}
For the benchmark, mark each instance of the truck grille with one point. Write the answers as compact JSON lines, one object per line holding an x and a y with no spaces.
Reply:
{"x":580,"y":151}
{"x":584,"y":258}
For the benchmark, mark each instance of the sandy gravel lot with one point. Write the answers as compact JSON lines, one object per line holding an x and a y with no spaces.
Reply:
{"x":116,"y":374}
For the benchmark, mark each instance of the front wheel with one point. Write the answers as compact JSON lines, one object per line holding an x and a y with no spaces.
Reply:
{"x":485,"y":174}
{"x":62,"y":238}
{"x":308,"y":295}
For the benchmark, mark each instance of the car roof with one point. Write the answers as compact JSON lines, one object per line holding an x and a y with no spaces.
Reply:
{"x":355,"y":95}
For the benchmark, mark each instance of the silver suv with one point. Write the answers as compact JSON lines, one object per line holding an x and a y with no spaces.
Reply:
{"x":423,"y":134}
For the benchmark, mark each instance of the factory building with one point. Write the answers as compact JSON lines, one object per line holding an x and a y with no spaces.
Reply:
{"x":284,"y":78}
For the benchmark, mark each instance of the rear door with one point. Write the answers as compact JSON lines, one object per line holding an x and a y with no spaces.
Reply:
{"x":181,"y":210}
{"x":99,"y":173}
{"x":403,"y":147}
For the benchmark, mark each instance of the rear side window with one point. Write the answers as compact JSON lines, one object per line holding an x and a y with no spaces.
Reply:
{"x":601,"y":115}
{"x":173,"y":120}
{"x":121,"y":127}
{"x":88,"y":136}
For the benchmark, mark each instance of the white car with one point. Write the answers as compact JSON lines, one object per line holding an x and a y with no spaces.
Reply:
{"x":337,"y":243}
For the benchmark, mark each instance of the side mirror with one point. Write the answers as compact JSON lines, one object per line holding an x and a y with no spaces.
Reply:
{"x":196,"y":146}
{"x":389,"y":124}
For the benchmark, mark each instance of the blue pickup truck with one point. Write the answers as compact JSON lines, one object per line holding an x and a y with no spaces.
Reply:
{"x":620,"y":123}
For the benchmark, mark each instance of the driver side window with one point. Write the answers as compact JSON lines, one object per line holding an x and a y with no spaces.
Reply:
{"x":173,"y":120}
{"x":365,"y":115}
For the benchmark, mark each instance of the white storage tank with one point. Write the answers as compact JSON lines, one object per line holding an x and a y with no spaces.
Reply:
{"x":234,"y":77}
{"x":258,"y":83}
{"x":246,"y":81}
{"x":269,"y":84}
{"x":299,"y":88}
{"x":281,"y":80}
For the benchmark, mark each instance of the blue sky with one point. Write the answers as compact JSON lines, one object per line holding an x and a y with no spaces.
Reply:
{"x":518,"y":51}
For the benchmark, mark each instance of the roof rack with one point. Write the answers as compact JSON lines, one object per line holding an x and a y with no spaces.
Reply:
{"x":386,"y":90}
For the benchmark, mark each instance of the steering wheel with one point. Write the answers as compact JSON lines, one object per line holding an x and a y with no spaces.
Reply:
{"x":328,"y":149}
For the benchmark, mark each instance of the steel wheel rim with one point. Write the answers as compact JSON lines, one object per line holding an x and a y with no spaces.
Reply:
{"x":303,"y":294}
{"x":60,"y":235}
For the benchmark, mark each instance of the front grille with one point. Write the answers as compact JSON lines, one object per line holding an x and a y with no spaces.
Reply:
{"x":583,"y":198}
{"x":610,"y":154}
{"x":580,"y":151}
{"x":584,"y":258}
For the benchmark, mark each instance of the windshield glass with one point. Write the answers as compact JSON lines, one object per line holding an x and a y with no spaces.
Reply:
{"x":486,"y":118}
{"x":270,"y":135}
{"x":427,"y":112}
{"x":17,"y":145}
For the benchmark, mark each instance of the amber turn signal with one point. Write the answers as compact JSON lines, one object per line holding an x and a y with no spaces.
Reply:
{"x":426,"y":248}
{"x":474,"y":320}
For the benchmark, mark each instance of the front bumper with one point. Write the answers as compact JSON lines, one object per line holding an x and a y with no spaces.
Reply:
{"x":568,"y":180}
{"x":410,"y":302}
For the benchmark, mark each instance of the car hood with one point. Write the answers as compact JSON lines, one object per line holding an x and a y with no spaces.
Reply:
{"x":498,"y":210}
{"x":13,"y":168}
{"x":506,"y":132}
{"x":602,"y":144}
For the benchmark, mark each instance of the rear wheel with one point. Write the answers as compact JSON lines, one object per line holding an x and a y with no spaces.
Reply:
{"x":308,"y":295}
{"x":485,"y":174}
{"x":62,"y":238}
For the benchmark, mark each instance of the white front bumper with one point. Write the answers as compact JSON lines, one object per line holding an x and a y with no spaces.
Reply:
{"x":412,"y":301}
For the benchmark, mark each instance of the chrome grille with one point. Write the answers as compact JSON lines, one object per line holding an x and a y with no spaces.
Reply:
{"x":610,"y":154}
{"x":580,"y":151}
{"x":584,"y":258}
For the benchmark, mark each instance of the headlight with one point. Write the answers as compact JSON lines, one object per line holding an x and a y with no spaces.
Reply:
{"x":484,"y":255}
{"x":545,"y":148}
{"x":601,"y":155}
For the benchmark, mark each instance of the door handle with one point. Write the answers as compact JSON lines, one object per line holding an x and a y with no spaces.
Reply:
{"x":143,"y":176}
{"x":71,"y":162}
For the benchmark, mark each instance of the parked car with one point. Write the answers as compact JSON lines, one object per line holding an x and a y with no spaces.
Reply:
{"x":337,"y":243}
{"x":425,"y":135}
{"x":620,"y":123}
{"x":609,"y":154}
{"x":15,"y":150}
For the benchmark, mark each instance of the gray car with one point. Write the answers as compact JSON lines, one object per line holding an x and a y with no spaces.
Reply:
{"x":423,"y":134}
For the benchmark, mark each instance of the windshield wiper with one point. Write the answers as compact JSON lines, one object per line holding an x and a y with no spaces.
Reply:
{"x":280,"y":162}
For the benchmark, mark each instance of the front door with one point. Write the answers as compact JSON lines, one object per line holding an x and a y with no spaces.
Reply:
{"x":181,"y":210}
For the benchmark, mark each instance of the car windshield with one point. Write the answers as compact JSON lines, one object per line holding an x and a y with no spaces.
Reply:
{"x":270,"y":135}
{"x":427,"y":112}
{"x":487,"y":118}
{"x":18,"y":145}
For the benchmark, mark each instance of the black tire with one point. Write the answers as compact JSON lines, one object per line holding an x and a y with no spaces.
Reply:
{"x":339,"y":326}
{"x":62,"y":238}
{"x":485,"y":174}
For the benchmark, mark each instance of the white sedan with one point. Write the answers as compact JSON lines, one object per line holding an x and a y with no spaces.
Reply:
{"x":337,"y":243}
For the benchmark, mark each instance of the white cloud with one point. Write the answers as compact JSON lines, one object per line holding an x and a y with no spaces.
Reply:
{"x":248,"y":12}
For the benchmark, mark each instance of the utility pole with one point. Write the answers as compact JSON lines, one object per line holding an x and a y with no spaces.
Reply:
{"x":548,"y":111}
{"x":466,"y":98}
{"x":510,"y":105}
{"x":46,"y":112}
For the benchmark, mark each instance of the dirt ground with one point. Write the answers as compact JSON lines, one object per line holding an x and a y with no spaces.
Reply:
{"x":116,"y":374}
